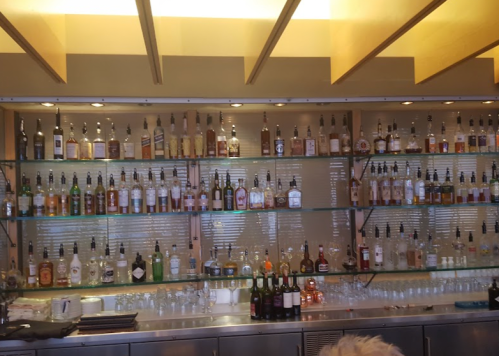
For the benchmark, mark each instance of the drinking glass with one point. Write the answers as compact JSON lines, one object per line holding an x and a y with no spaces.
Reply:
{"x":232,"y":287}
{"x":334,"y":250}
{"x":212,"y":299}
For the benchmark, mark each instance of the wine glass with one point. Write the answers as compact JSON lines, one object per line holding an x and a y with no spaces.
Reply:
{"x":212,"y":299}
{"x":232,"y":287}
{"x":334,"y":250}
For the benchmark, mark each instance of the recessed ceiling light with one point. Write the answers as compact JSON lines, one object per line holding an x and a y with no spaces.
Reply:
{"x":447,"y":102}
{"x":47,"y":104}
{"x":488,"y":102}
{"x":407,"y":102}
{"x":236,"y":105}
{"x":280,"y":104}
{"x":322,"y":104}
{"x":97,"y":105}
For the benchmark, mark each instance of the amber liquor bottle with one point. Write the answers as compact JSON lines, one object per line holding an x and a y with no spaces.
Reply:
{"x":279,"y":143}
{"x":45,"y":271}
{"x":112,"y":197}
{"x":113,"y":145}
{"x":265,"y":137}
{"x":145,"y":141}
{"x":211,"y":139}
{"x":306,"y":264}
{"x":321,"y":264}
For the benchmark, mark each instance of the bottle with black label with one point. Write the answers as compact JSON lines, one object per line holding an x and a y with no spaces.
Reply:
{"x":138,"y":270}
{"x":278,"y":143}
{"x":267,"y":299}
{"x":216,"y":266}
{"x":228,"y":194}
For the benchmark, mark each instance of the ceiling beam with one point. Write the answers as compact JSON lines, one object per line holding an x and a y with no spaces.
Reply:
{"x":362,"y":29}
{"x":38,"y":38}
{"x":254,"y":62}
{"x":455,"y":32}
{"x":148,"y":31}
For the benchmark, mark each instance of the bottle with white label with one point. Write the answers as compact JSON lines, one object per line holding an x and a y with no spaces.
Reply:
{"x":216,"y":266}
{"x":93,"y":266}
{"x":189,"y":198}
{"x":192,"y":267}
{"x":176,"y":192}
{"x":72,"y":146}
{"x":431,"y":255}
{"x":216,"y":194}
{"x":310,"y":144}
{"x":203,"y":203}
{"x":402,"y":250}
{"x":123,"y":195}
{"x":150,"y":194}
{"x":31,"y":269}
{"x":287,"y":296}
{"x":122,"y":267}
{"x":61,"y":272}
{"x":334,"y":139}
{"x":408,"y":186}
{"x":138,"y":270}
{"x":162,"y":193}
{"x":58,"y":137}
{"x":378,"y":250}
{"x":75,"y":267}
{"x":107,"y":268}
{"x":39,"y":197}
{"x":128,"y":145}
{"x":174,"y":263}
{"x":99,"y":144}
{"x":136,"y":200}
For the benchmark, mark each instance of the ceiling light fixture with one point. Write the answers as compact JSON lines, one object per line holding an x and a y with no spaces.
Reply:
{"x":487,"y":102}
{"x":48,"y":105}
{"x":407,"y":102}
{"x":97,"y":105}
{"x":447,"y":102}
{"x":322,"y":104}
{"x":280,"y":104}
{"x":236,"y":105}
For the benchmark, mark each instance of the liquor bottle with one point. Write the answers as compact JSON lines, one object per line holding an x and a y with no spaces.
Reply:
{"x":39,"y":142}
{"x":447,"y":190}
{"x":86,"y":147}
{"x":198,"y":139}
{"x":397,"y":142}
{"x":136,"y":196}
{"x":294,"y":196}
{"x":385,"y":186}
{"x":411,"y":251}
{"x":186,"y":140}
{"x":192,"y":263}
{"x":162,"y":193}
{"x":472,"y":250}
{"x":482,"y":137}
{"x":388,"y":251}
{"x":378,"y":250}
{"x":256,"y":196}
{"x":246,"y":269}
{"x":107,"y":267}
{"x":145,"y":142}
{"x":75,"y":267}
{"x":413,"y":144}
{"x":484,"y":190}
{"x":265,"y":137}
{"x":495,"y":241}
{"x":437,"y":189}
{"x":373,"y":187}
{"x":128,"y":145}
{"x":379,"y":141}
{"x":279,"y":143}
{"x":430,"y":140}
{"x":459,"y":137}
{"x":280,"y":198}
{"x":334,"y":139}
{"x":157,"y":264}
{"x":189,"y":198}
{"x":268,"y":194}
{"x":345,"y":140}
{"x":428,"y":189}
{"x":45,"y":271}
{"x":202,"y":201}
{"x":402,"y":249}
{"x":9,"y":202}
{"x":61,"y":270}
{"x":390,"y":140}
{"x":233,"y":144}
{"x":150,"y":193}
{"x":493,"y":296}
{"x":51,"y":199}
{"x":39,"y":197}
{"x":364,"y":255}
{"x":58,"y":137}
{"x":494,"y":185}
{"x":139,"y":270}
{"x":443,"y":145}
{"x":88,"y":197}
{"x":111,"y":198}
{"x":408,"y":186}
{"x":25,"y":198}
{"x":100,"y":197}
{"x":321,"y":264}
{"x":159,"y":140}
{"x":266,"y":266}
{"x":310,"y":144}
{"x":228,"y":194}
{"x":63,"y":197}
{"x":113,"y":145}
{"x":123,"y":194}
{"x":296,"y":296}
{"x":230,"y":266}
{"x":473,"y":190}
{"x":362,"y":145}
{"x":99,"y":144}
{"x":211,"y":139}
{"x":75,"y":197}
{"x":397,"y":187}
{"x":208,"y":263}
{"x":462,"y":191}
{"x":255,"y":301}
{"x":216,"y":266}
{"x":278,"y":302}
{"x":241,"y":196}
{"x":176,"y":192}
{"x":267,"y":299}
{"x":216,"y":194}
{"x":14,"y":277}
{"x":296,"y":143}
{"x":22,"y":143}
{"x":491,"y":136}
{"x":221,"y":139}
{"x":354,"y":186}
{"x":431,"y":255}
{"x":458,"y":246}
{"x":122,"y":267}
{"x":287,"y":296}
{"x":93,"y":265}
{"x":31,"y":268}
{"x":283,"y":263}
{"x":484,"y":245}
{"x":72,"y":146}
{"x":306,"y":264}
{"x":322,"y":140}
{"x":472,"y":139}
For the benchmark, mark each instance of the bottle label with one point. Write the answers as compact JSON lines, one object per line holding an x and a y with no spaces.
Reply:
{"x":99,"y":150}
{"x":334,"y":145}
{"x":211,"y":149}
{"x":345,"y":144}
{"x":159,"y":141}
{"x":482,"y":141}
{"x":89,"y":203}
{"x":365,"y":254}
{"x":253,"y":310}
{"x":281,"y":201}
{"x":138,"y":273}
{"x":86,"y":151}
{"x":378,"y":255}
{"x":491,"y":142}
{"x":296,"y":147}
{"x":175,"y":192}
{"x":32,"y":269}
{"x":129,"y":150}
{"x":112,"y":205}
{"x":217,"y":204}
{"x":229,"y":200}
{"x":241,"y":199}
{"x":294,"y":200}
{"x":145,"y":142}
{"x":72,"y":150}
{"x":396,"y":145}
{"x":93,"y":271}
{"x":460,"y":138}
{"x":296,"y":299}
{"x":278,"y":301}
{"x":381,"y":146}
{"x":174,"y":266}
{"x":38,"y":201}
{"x":45,"y":276}
{"x":189,"y":203}
{"x":279,"y":147}
{"x":215,"y":271}
{"x":484,"y":249}
{"x":288,"y":300}
{"x":75,"y":274}
{"x":323,"y":267}
{"x":472,"y":141}
{"x":418,"y":259}
{"x":385,"y":192}
{"x":408,"y":191}
{"x":198,"y":145}
{"x":75,"y":206}
{"x":397,"y":192}
{"x":108,"y":275}
{"x":150,"y":197}
{"x":421,"y":193}
{"x":101,"y":202}
{"x":265,"y":148}
{"x":323,"y":145}
{"x":310,"y":147}
{"x":354,"y":194}
{"x":431,"y":260}
{"x":222,"y":146}
{"x":61,"y":268}
{"x":186,"y":146}
{"x":121,"y":263}
{"x":229,"y":271}
{"x":58,"y":145}
{"x":123,"y":198}
{"x":23,"y":202}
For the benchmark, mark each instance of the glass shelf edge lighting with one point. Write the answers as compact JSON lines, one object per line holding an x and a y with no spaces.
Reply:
{"x":197,"y":279}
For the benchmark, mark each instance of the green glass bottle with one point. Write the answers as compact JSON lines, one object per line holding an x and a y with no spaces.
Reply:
{"x":157,"y":264}
{"x":75,"y":197}
{"x":25,"y":198}
{"x":100,"y":197}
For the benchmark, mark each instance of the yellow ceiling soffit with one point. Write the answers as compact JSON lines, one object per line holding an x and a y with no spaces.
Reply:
{"x":30,"y":30}
{"x":361,"y":29}
{"x":457,"y":31}
{"x":263,"y":36}
{"x":149,"y":33}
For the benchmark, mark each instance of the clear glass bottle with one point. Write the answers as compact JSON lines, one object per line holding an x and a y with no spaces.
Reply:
{"x":388,"y":251}
{"x":380,"y":141}
{"x":458,"y":246}
{"x":484,"y":190}
{"x":443,"y":145}
{"x":217,"y":194}
{"x":482,"y":137}
{"x":296,"y":143}
{"x":174,"y":263}
{"x":86,"y":147}
{"x":310,"y":144}
{"x":192,"y":268}
{"x":246,"y":269}
{"x":283,"y":264}
{"x":268,"y":194}
{"x":256,"y":196}
{"x":233,"y":144}
{"x":334,"y":139}
{"x":230,"y":266}
{"x":221,"y":139}
{"x":136,"y":194}
{"x":419,"y":189}
{"x":362,"y":145}
{"x":128,"y":145}
{"x":39,"y":197}
{"x":494,"y":185}
{"x":408,"y":186}
{"x":14,"y":277}
{"x":198,"y":139}
{"x":107,"y":267}
{"x":473,"y":190}
{"x":208,"y":263}
{"x":431,"y":254}
{"x":186,"y":140}
{"x":203,"y":200}
{"x":373,"y":187}
{"x":484,"y":246}
{"x":397,"y":142}
{"x":471,"y":254}
{"x":459,"y":137}
{"x":150,"y":193}
{"x":31,"y":269}
{"x":241,"y":196}
{"x":173,"y":141}
{"x":162,"y":193}
{"x":345,"y":138}
{"x":99,"y":144}
{"x":113,"y":145}
{"x":93,"y":265}
{"x":157,"y":264}
{"x":322,"y":140}
{"x":428,"y":189}
{"x":378,"y":250}
{"x":265,"y":137}
{"x":401,"y":250}
{"x":397,"y":187}
{"x":72,"y":146}
{"x":51,"y":199}
{"x":63,"y":206}
{"x":9,"y":202}
{"x":189,"y":198}
{"x":145,"y":141}
{"x":100,"y":197}
{"x":413,"y":144}
{"x":491,"y":136}
{"x":216,"y":265}
{"x":294,"y":196}
{"x":447,"y":190}
{"x":472,"y":138}
{"x":123,"y":194}
{"x":462,"y":191}
{"x":176,"y":192}
{"x":122,"y":276}
{"x":22,"y":143}
{"x":279,"y":143}
{"x":385,"y":186}
{"x":159,"y":140}
{"x":61,"y":270}
{"x":390,"y":139}
{"x":211,"y":140}
{"x":280,"y":198}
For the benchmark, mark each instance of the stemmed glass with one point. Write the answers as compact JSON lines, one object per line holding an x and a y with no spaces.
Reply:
{"x":232,"y":287}
{"x":334,"y":250}
{"x":212,"y":299}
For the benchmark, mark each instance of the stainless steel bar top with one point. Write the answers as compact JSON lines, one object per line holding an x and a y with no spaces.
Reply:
{"x":216,"y":326}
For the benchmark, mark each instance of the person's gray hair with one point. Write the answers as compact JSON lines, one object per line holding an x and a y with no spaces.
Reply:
{"x":352,"y":345}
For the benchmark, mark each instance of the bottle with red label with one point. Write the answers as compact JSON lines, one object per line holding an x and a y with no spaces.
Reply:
{"x":364,"y":253}
{"x":321,"y":264}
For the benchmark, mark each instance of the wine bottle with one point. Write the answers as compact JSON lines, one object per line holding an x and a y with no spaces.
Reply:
{"x":296,"y":296}
{"x":287,"y":296}
{"x":255,"y":301}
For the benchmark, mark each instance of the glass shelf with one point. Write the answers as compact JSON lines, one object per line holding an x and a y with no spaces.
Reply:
{"x":407,"y":155}
{"x":203,"y":278}
{"x":425,"y":206}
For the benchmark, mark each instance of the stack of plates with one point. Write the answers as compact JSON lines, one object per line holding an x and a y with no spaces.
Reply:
{"x":91,"y":305}
{"x":106,"y":322}
{"x":66,"y":307}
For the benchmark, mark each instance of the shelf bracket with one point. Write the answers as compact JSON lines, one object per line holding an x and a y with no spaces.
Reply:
{"x":358,"y":159}
{"x":365,"y":167}
{"x":370,"y":280}
{"x":8,"y":236}
{"x":3,"y":172}
{"x":366,"y":220}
